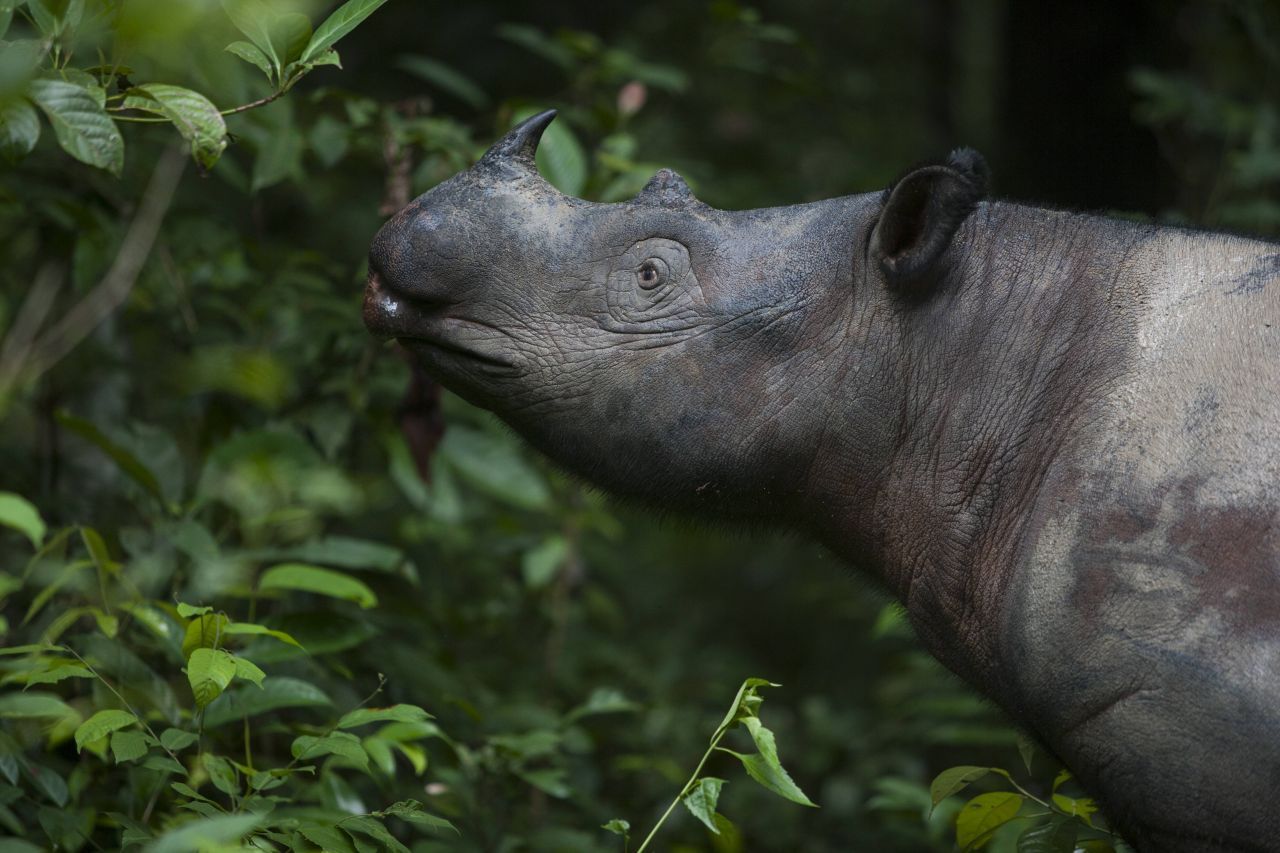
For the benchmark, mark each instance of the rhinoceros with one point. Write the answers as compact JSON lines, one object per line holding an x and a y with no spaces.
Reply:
{"x":1055,"y":437}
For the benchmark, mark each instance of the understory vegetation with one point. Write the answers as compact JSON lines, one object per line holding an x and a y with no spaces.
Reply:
{"x":266,"y":586}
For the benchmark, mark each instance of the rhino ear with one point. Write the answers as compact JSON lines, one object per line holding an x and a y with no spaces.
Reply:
{"x":919,"y":216}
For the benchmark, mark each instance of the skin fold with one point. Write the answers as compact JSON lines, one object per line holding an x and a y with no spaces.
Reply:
{"x":1054,"y":437}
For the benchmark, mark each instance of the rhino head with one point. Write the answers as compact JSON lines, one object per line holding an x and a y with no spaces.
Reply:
{"x":666,"y":350}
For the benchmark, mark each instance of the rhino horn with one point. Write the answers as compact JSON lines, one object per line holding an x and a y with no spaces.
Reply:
{"x":518,"y":147}
{"x":666,"y":189}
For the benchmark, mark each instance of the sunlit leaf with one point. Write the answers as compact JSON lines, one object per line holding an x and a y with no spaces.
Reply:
{"x":20,"y":514}
{"x":247,"y":670}
{"x":209,"y":671}
{"x":982,"y":816}
{"x":304,"y":578}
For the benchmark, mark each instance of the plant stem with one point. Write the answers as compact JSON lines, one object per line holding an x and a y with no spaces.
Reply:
{"x":123,"y":701}
{"x":688,"y":786}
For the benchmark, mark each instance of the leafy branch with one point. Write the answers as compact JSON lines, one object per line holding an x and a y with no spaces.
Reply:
{"x":701,"y":794}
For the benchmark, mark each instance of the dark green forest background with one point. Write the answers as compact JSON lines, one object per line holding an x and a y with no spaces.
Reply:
{"x":200,"y":419}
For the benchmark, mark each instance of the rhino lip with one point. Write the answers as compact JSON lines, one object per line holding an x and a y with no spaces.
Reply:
{"x":420,"y":324}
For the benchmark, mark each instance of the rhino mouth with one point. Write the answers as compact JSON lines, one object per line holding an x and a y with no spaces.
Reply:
{"x":423,"y":327}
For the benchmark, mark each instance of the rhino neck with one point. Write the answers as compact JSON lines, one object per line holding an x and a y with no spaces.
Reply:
{"x":997,"y":376}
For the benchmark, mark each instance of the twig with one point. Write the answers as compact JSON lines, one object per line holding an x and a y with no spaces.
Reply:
{"x":17,"y":344}
{"x":114,"y":288}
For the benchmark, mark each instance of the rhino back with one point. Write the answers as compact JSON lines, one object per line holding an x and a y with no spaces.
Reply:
{"x":1145,"y":621}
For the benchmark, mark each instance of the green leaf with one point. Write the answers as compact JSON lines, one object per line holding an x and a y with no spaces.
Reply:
{"x":221,"y":773}
{"x":19,"y":129}
{"x":541,"y":564}
{"x":340,"y":744}
{"x":250,"y":629}
{"x":344,"y":19}
{"x":748,"y":690}
{"x":1056,"y":836}
{"x":1083,"y":807}
{"x":55,"y":17}
{"x":412,"y":811}
{"x":28,"y":649}
{"x":446,"y":79}
{"x":125,"y":461}
{"x":773,"y":777}
{"x":618,"y":826}
{"x":97,"y":549}
{"x":210,"y":833}
{"x":252,"y":54}
{"x":329,"y":57}
{"x":327,"y":838}
{"x":249,"y":671}
{"x":954,"y":780}
{"x":82,"y":126}
{"x":561,"y":158}
{"x":128,"y":746}
{"x":19,"y":513}
{"x":102,"y":724}
{"x":290,"y":33}
{"x":186,"y":611}
{"x":701,"y":801}
{"x":603,"y":700}
{"x":194,"y":115}
{"x":253,"y":18}
{"x":49,"y":783}
{"x":307,"y":578}
{"x":204,"y":632}
{"x":276,"y":692}
{"x":209,"y":671}
{"x":982,"y":816}
{"x":394,"y":714}
{"x":373,"y":828}
{"x":34,"y":704}
{"x":176,"y":740}
{"x":57,"y":670}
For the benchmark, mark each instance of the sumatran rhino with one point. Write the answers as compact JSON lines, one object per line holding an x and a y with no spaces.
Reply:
{"x":1055,"y":437}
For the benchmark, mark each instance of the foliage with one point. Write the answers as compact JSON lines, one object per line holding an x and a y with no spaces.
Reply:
{"x":257,"y":591}
{"x":1058,"y":823}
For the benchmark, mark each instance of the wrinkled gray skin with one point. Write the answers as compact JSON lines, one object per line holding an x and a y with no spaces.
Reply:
{"x":1056,"y":437}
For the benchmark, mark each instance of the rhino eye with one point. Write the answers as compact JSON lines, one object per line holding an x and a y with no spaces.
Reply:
{"x":652,"y":273}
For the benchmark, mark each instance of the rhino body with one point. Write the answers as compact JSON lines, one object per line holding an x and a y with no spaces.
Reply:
{"x":1054,"y":437}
